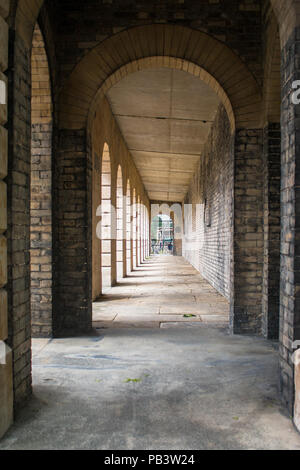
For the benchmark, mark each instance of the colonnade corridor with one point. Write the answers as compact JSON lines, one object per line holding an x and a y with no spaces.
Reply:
{"x":161,"y":292}
{"x":149,"y":224}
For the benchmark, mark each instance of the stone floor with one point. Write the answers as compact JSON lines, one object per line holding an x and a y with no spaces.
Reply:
{"x":150,"y":378}
{"x":165,"y":289}
{"x":184,"y":387}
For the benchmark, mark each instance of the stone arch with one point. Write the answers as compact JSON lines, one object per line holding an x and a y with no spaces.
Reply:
{"x":155,"y":46}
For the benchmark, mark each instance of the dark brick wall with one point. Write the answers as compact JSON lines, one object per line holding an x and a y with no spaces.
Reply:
{"x":71,"y":220}
{"x":213,"y":182}
{"x":247,"y":272}
{"x":271,"y":274}
{"x":80,"y":26}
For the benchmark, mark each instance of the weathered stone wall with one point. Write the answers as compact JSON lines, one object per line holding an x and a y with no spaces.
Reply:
{"x":212,"y":184}
{"x":41,"y":191}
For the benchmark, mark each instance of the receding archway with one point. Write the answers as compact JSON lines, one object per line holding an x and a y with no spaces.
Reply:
{"x":162,"y":235}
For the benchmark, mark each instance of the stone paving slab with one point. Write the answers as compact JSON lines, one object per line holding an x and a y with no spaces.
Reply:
{"x":161,"y":291}
{"x":160,"y":318}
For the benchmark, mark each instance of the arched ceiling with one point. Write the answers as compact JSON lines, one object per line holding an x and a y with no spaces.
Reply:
{"x":165,"y":116}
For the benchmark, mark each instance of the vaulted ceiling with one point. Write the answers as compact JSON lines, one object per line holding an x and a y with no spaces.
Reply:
{"x":165,"y":117}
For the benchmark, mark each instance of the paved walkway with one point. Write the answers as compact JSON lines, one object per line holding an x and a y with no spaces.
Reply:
{"x":163,"y":291}
{"x":180,"y":386}
{"x":176,"y":388}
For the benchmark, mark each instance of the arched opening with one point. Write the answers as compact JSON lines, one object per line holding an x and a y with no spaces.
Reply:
{"x":134,"y":230}
{"x":162,"y":235}
{"x":106,"y":218}
{"x":128,"y":229}
{"x":120,"y":225}
{"x":41,"y":190}
{"x":138,"y":231}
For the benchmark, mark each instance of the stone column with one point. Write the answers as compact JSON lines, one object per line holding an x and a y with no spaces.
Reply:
{"x":6,"y":386}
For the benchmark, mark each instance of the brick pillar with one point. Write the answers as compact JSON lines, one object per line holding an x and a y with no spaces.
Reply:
{"x":289,"y":330}
{"x":6,"y":385}
{"x":72,"y":219}
{"x":19,"y":219}
{"x":271,"y":273}
{"x":41,"y":191}
{"x":247,"y":266}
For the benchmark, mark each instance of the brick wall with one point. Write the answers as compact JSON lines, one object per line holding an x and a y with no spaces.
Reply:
{"x":71,"y":218}
{"x":80,"y":28}
{"x":247,"y":274}
{"x":19,"y":220}
{"x":213,"y":183}
{"x":41,"y":191}
{"x":6,"y":382}
{"x":271,"y":273}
